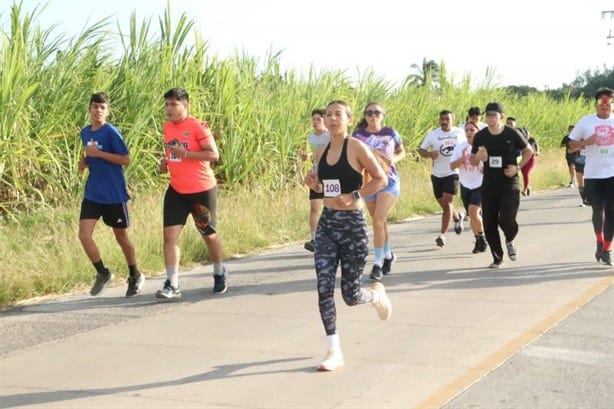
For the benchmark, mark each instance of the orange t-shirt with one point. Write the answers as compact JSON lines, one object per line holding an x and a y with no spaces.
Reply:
{"x":189,"y":176}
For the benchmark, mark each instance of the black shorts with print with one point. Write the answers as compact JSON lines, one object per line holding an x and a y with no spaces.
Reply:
{"x":201,"y":205}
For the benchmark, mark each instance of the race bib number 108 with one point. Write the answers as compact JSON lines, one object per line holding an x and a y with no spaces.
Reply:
{"x":332,"y":187}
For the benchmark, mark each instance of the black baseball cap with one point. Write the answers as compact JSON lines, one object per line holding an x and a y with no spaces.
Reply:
{"x":494,"y":107}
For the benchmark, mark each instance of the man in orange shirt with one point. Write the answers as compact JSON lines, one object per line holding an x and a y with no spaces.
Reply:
{"x":189,"y":150}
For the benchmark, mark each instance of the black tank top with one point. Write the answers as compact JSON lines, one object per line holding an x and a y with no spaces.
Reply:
{"x":349,"y":178}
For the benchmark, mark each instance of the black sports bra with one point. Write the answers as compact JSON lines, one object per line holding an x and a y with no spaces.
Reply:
{"x":348,"y":177}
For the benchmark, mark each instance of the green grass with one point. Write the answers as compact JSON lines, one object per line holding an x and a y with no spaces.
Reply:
{"x":43,"y":254}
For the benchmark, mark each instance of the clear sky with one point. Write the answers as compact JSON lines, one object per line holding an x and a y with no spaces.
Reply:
{"x":527,"y":42}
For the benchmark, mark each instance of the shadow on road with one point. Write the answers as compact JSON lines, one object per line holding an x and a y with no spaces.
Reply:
{"x":218,"y":372}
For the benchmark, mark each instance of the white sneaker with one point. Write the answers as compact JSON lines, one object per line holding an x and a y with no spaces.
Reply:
{"x":383,"y":305}
{"x":440,"y":240}
{"x":168,"y":291}
{"x":332,"y":360}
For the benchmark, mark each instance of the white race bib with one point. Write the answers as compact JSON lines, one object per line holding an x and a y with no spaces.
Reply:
{"x":174,"y":158}
{"x":495,"y":161}
{"x":332,"y":187}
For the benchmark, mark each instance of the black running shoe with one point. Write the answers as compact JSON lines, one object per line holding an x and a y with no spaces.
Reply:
{"x":387,"y":266}
{"x":219,"y":285}
{"x":481,"y":244}
{"x":134,"y":285}
{"x":606,"y":257}
{"x":101,"y":281}
{"x":376,"y":273}
{"x":599,"y":251}
{"x":309,"y":246}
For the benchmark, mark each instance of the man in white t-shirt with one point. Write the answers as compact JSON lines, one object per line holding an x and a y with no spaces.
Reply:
{"x":439,"y":145}
{"x":594,"y":134}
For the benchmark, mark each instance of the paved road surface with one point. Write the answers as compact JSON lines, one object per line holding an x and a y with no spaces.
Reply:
{"x":538,"y":333}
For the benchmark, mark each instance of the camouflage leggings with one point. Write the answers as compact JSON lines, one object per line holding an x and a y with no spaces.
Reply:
{"x":341,"y":238}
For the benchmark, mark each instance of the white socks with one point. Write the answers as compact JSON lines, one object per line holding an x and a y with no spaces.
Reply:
{"x":218,"y":269}
{"x":172,"y":273}
{"x":333,"y":342}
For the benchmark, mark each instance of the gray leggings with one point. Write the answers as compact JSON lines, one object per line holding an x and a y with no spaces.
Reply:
{"x":341,"y":238}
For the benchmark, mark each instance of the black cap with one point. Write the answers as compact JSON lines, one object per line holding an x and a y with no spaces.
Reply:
{"x":474,"y":111}
{"x":494,"y":107}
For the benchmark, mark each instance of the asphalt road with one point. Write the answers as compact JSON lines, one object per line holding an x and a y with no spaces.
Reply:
{"x":538,"y":333}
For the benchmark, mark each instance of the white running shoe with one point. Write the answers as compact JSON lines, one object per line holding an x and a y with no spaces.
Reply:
{"x":383,"y":305}
{"x":440,"y":240}
{"x":168,"y":291}
{"x":332,"y":360}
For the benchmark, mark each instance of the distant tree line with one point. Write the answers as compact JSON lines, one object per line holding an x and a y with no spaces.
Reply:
{"x":432,"y":74}
{"x":587,"y":83}
{"x":584,"y":85}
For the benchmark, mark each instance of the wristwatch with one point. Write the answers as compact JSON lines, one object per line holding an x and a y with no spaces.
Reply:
{"x":356,"y":195}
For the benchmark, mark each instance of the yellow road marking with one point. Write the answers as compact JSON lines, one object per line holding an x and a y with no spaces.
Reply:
{"x":464,"y":381}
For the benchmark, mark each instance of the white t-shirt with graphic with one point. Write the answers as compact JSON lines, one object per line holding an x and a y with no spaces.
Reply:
{"x":470,"y":176}
{"x":599,"y":156}
{"x":444,"y":143}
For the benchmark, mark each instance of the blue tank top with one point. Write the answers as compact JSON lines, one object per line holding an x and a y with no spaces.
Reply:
{"x":349,"y":178}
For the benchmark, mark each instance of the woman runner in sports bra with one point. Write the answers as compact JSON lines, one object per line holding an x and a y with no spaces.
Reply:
{"x":341,"y":237}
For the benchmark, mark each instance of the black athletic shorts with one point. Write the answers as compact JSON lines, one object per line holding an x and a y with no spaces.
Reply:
{"x":201,"y":205}
{"x":471,"y":197}
{"x":446,"y":184}
{"x":114,"y":215}
{"x":600,"y":190}
{"x":579,"y":167}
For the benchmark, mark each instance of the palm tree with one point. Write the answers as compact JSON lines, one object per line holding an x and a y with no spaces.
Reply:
{"x":425,"y":75}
